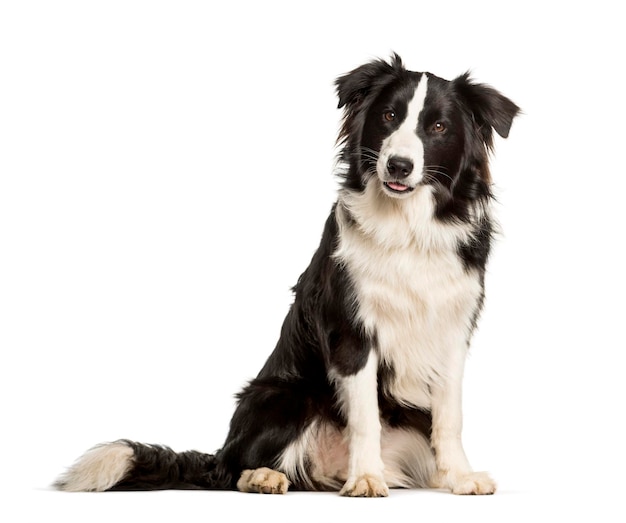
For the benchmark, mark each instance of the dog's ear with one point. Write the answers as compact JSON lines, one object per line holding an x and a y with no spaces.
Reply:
{"x":360,"y":86}
{"x":353,"y":87}
{"x":489,"y":109}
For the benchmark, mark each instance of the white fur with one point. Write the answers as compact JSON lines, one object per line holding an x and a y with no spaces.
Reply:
{"x":453,"y":468}
{"x":408,"y":458}
{"x":319,"y":458}
{"x":358,"y":398}
{"x":390,"y":224}
{"x":312,"y":448}
{"x":98,"y":469}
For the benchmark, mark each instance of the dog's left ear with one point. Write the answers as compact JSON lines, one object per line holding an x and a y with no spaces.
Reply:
{"x":489,"y":108}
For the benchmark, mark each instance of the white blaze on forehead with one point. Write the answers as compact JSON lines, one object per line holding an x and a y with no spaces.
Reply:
{"x":409,"y":126}
{"x":404,"y":141}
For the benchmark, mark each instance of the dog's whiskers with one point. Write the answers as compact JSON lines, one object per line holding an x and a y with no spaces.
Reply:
{"x":432,"y":180}
{"x":370,"y":151}
{"x":369,"y":155}
{"x":436,"y":170}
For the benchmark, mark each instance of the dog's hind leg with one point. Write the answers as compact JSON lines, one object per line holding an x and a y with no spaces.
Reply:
{"x":271,"y":414}
{"x":263,"y":480}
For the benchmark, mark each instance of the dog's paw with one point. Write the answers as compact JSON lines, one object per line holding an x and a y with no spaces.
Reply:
{"x":365,"y":486}
{"x":263,"y":480}
{"x":474,"y":483}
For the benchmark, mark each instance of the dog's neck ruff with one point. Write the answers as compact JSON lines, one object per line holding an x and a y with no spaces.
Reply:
{"x":400,"y":224}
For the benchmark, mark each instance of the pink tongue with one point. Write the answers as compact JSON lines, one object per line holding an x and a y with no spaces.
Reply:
{"x":397,"y":186}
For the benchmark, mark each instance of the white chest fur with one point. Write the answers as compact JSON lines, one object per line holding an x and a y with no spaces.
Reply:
{"x":413,"y":291}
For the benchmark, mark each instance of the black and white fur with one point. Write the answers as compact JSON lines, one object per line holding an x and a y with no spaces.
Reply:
{"x":363,"y":390}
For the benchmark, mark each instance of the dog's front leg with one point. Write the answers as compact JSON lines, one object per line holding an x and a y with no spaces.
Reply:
{"x":453,"y":468}
{"x":358,"y":395}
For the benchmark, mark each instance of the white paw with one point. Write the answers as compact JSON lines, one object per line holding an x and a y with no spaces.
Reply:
{"x":264,"y":481}
{"x":365,"y":486}
{"x":477,"y":483}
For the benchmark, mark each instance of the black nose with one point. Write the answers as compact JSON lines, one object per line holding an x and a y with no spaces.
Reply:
{"x":399,"y":167}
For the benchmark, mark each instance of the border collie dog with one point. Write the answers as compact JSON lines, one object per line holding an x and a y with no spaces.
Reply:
{"x":363,"y":390}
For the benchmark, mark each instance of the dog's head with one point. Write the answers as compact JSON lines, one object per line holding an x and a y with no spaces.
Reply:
{"x":405,"y":129}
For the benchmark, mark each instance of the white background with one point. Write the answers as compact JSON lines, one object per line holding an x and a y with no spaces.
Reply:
{"x":165,"y":172}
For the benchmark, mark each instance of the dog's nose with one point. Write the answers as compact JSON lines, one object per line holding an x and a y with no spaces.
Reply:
{"x":399,"y":167}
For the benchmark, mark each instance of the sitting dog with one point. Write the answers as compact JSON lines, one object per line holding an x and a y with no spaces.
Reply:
{"x":363,"y":390}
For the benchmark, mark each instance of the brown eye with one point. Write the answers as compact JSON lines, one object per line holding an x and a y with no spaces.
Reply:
{"x":439,"y":127}
{"x":389,"y":116}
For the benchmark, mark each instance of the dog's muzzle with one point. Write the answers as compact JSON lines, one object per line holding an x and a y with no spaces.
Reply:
{"x":398,"y":169}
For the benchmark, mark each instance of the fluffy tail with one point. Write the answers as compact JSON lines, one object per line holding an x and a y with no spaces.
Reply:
{"x":127,"y":465}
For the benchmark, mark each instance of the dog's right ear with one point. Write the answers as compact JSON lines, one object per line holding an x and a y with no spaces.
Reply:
{"x":353,"y":87}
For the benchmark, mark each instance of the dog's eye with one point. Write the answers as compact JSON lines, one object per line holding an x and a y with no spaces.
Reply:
{"x":439,"y":127}
{"x":389,"y":116}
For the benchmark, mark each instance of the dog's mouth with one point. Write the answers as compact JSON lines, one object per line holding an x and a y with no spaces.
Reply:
{"x":397,"y":187}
